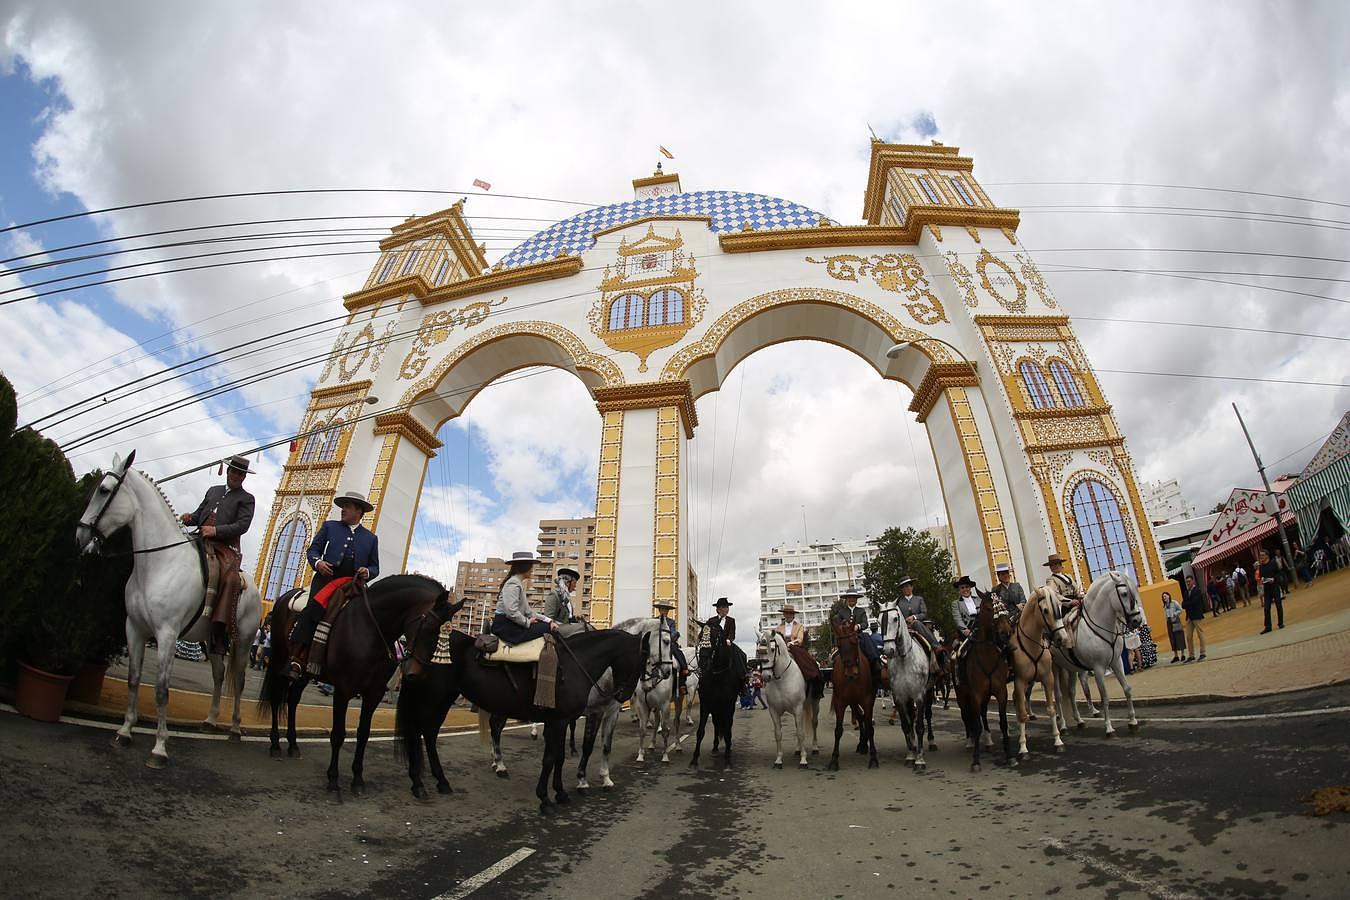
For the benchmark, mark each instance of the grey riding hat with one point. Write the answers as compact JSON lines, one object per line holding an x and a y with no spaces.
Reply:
{"x":849,"y":591}
{"x":569,"y":571}
{"x":522,"y":556}
{"x":355,"y":497}
{"x":904,"y":581}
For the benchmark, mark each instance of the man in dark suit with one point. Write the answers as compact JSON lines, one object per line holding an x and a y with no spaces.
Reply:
{"x":723,"y":619}
{"x":342,"y":548}
{"x":856,"y":616}
{"x":222,"y":519}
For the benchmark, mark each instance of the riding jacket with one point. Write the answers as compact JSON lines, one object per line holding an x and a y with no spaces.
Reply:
{"x":336,"y":542}
{"x":233,"y":511}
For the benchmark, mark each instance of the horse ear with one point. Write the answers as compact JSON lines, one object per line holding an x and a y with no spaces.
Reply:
{"x":131,"y":457}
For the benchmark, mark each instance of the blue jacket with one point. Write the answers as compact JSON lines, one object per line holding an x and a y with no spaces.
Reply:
{"x":335,"y":540}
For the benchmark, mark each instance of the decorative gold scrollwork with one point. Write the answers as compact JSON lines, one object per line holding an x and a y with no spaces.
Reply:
{"x":899,"y":273}
{"x":1015,"y":304}
{"x":436,"y":328}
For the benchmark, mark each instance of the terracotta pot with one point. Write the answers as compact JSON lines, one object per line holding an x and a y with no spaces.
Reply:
{"x":88,"y":684}
{"x":40,"y":695}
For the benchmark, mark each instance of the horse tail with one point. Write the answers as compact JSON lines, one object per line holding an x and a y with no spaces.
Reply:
{"x":276,"y":683}
{"x":815,"y":688}
{"x":484,"y":729}
{"x":407,"y":734}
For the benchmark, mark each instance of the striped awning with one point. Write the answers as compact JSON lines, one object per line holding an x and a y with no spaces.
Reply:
{"x":1241,"y":541}
{"x":1306,"y":497}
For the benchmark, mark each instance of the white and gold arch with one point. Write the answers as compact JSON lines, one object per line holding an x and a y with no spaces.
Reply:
{"x":652,"y":302}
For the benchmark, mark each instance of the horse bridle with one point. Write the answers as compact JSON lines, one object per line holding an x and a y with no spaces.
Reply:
{"x":1047,"y":623}
{"x":712,"y":651}
{"x":98,"y":538}
{"x":1118,"y":582}
{"x":655,"y":671}
{"x":772,"y":660}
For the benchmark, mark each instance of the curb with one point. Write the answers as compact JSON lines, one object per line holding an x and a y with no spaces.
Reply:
{"x":1230,"y":698}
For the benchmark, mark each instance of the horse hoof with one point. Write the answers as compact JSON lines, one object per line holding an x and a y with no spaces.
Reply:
{"x":275,"y":753}
{"x":562,"y":798}
{"x":607,"y":784}
{"x":533,"y":736}
{"x":1134,"y":726}
{"x":543,"y":808}
{"x":419,"y":792}
{"x":1080,"y":726}
{"x":932,"y":745}
{"x":1111,"y":734}
{"x":358,"y":788}
{"x":1059,"y":749}
{"x":920,"y":768}
{"x":156,"y":761}
{"x":236,"y":736}
{"x":207,"y":727}
{"x":501,"y":773}
{"x":332,"y":786}
{"x":582,"y":787}
{"x":444,"y":788}
{"x":778,"y":765}
{"x":293,"y":752}
{"x":974,"y":767}
{"x":1012,"y":763}
{"x":815,"y":752}
{"x":833,"y":765}
{"x":873,"y":764}
{"x":803,"y":765}
{"x":121,"y":740}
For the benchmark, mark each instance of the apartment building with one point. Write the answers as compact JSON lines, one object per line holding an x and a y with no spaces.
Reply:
{"x":811,"y":576}
{"x":564,"y":542}
{"x":478,"y":583}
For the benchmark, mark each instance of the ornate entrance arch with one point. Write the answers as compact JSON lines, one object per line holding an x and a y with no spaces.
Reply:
{"x":652,"y":302}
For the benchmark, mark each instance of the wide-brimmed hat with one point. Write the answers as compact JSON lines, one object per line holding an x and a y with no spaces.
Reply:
{"x":904,"y":581}
{"x":1054,"y":558}
{"x":569,"y":571}
{"x":850,"y":591}
{"x":964,"y":580}
{"x":662,"y":604}
{"x":354,"y":497}
{"x":522,"y":556}
{"x":1002,"y":567}
{"x":788,"y":608}
{"x":722,"y":601}
{"x":239,"y":464}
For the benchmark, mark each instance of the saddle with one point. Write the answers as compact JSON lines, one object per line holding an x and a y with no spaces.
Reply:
{"x":540,"y":653}
{"x":805,"y":661}
{"x":335,"y":597}
{"x":850,"y":654}
{"x":931,"y":650}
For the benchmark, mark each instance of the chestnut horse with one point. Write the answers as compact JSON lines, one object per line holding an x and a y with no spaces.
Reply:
{"x":982,"y":673}
{"x":856,"y":693}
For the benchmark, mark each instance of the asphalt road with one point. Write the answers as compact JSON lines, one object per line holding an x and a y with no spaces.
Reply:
{"x":1202,"y":807}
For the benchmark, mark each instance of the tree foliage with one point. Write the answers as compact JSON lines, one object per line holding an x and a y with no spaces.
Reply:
{"x":821,"y":640}
{"x":914,"y":554}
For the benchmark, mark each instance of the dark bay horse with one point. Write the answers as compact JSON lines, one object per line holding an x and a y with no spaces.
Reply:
{"x":359,"y":663}
{"x":582,"y":660}
{"x":722,"y":669}
{"x":856,"y":693}
{"x":982,"y":673}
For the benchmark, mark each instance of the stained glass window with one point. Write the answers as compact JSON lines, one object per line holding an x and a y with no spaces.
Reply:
{"x":284,"y":570}
{"x":441,"y":271}
{"x":960,"y":187}
{"x":667,"y":307}
{"x":388,"y":267}
{"x":1067,"y":384}
{"x":412,"y":261}
{"x":1102,"y":529}
{"x":929,"y":190}
{"x":1037,"y":387}
{"x":322,"y":445}
{"x":626,"y":312}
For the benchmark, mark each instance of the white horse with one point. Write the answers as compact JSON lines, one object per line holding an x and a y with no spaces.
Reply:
{"x":602,"y":718}
{"x":691,"y":694}
{"x":786,"y":690}
{"x":1110,"y":608}
{"x":163,"y":596}
{"x":656,"y":688}
{"x":911,"y":673}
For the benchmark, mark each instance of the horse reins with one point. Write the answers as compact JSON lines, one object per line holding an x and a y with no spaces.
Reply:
{"x":99,"y":538}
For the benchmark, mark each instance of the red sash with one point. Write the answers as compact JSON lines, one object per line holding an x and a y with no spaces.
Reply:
{"x":327,"y":592}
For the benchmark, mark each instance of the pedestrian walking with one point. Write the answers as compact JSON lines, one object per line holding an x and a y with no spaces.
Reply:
{"x":1175,"y":633}
{"x":1194,"y":605}
{"x":1240,"y":585}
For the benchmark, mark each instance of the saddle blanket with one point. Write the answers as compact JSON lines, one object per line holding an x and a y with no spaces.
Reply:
{"x":527,"y":652}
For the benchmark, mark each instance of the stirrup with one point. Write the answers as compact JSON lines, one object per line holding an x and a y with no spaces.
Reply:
{"x":296,"y":670}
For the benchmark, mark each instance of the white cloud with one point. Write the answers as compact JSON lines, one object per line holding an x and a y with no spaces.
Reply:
{"x":567,"y":102}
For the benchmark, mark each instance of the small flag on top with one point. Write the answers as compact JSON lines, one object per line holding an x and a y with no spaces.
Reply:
{"x":480,"y":183}
{"x":666,"y":153}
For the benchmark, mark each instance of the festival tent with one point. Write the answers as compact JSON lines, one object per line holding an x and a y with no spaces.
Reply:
{"x":1324,"y":484}
{"x":1246,"y":520}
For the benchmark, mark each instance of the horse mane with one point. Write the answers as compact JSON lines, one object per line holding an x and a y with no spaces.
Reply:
{"x":642,"y":624}
{"x":413,"y":576}
{"x":168,"y":504}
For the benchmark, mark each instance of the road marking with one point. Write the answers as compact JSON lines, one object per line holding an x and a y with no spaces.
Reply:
{"x":469,"y":885}
{"x":1293,"y":714}
{"x":1152,"y":888}
{"x":249,"y":739}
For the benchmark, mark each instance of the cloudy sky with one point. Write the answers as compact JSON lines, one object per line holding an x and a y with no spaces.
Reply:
{"x":1182,"y":171}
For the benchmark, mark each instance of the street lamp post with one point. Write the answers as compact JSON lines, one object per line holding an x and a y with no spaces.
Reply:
{"x":899,"y":348}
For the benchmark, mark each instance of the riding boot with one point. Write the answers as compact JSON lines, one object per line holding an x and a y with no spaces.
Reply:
{"x":299,"y":660}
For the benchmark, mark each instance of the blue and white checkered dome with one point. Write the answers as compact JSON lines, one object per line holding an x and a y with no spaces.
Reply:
{"x":728,"y":210}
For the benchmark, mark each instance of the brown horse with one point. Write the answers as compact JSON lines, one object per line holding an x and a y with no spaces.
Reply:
{"x":982,"y":673}
{"x":359,"y":663}
{"x":855,"y":693}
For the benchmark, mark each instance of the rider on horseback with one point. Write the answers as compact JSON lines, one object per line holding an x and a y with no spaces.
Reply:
{"x":223,"y":517}
{"x":558,"y":603}
{"x":663,"y":609}
{"x":342,"y":548}
{"x":851,"y":614}
{"x":1062,"y":583}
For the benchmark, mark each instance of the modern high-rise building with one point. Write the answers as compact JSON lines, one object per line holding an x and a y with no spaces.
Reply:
{"x":478,"y":583}
{"x":564,"y":542}
{"x":810,"y":576}
{"x":943,"y":535}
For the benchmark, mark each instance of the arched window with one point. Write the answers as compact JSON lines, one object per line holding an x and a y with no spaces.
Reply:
{"x":411,"y":263}
{"x":666,"y":307}
{"x":625,"y":312}
{"x":322,"y":445}
{"x":1102,"y":530}
{"x":388,"y":267}
{"x":1037,"y":388}
{"x":284,"y":569}
{"x":1067,"y":384}
{"x":441,"y":271}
